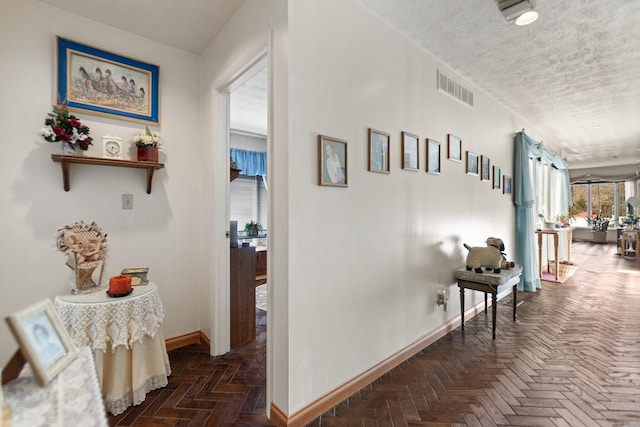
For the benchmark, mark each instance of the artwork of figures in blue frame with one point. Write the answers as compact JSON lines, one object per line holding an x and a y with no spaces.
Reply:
{"x":103,"y":83}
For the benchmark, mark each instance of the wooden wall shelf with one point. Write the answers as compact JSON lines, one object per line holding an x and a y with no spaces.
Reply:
{"x":65,"y":161}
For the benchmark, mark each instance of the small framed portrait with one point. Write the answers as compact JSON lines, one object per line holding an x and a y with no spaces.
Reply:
{"x":485,"y":168}
{"x":472,"y":164}
{"x":433,"y":156}
{"x":378,"y":151}
{"x":410,"y":151}
{"x":43,"y":341}
{"x":506,"y":184}
{"x":496,"y":178}
{"x":332,"y":161}
{"x":454,"y":148}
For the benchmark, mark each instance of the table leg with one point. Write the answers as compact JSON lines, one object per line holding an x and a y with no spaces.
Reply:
{"x":540,"y":254}
{"x":485,"y":303}
{"x":555,"y":253}
{"x":569,"y":241}
{"x":514,"y":297}
{"x":494,"y":311}
{"x":462,"y":308}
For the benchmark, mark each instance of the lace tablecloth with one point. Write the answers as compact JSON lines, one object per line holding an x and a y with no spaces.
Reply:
{"x":72,"y":398}
{"x":126,"y":336}
{"x":96,"y":319}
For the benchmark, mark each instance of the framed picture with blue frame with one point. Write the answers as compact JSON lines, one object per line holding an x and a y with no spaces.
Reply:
{"x":103,"y":83}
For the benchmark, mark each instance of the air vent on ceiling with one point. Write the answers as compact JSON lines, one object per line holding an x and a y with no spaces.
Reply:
{"x":450,"y":87}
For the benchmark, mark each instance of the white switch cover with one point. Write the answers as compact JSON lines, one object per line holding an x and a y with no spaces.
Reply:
{"x":127,"y":201}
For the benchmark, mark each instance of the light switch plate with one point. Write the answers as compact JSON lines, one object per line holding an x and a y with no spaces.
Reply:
{"x":127,"y":201}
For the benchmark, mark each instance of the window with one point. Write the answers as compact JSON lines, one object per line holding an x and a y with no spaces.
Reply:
{"x":606,"y":198}
{"x":248,"y":200}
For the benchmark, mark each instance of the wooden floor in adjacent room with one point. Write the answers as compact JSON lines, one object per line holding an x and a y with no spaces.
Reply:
{"x":571,"y":359}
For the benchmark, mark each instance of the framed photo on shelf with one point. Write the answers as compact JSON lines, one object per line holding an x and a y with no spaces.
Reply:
{"x":43,"y":341}
{"x":506,"y":184}
{"x":472,"y":164}
{"x":433,"y":156}
{"x":410,"y":150}
{"x":485,"y":169}
{"x":103,"y":83}
{"x":496,"y":177}
{"x":379,"y":151}
{"x":332,"y":161}
{"x":454,"y":148}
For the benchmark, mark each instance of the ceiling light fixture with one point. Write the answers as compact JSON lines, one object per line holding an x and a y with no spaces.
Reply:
{"x":520,"y":11}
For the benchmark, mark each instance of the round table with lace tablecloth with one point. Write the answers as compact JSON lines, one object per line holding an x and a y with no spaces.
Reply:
{"x":126,"y":337}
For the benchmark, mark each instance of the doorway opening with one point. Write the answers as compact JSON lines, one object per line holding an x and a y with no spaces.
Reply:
{"x":248,"y":203}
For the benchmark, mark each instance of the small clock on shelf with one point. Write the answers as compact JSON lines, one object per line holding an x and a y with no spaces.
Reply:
{"x":112,"y":147}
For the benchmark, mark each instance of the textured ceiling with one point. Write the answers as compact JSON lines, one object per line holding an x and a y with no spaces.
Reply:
{"x":249,"y":105}
{"x":574,"y":73}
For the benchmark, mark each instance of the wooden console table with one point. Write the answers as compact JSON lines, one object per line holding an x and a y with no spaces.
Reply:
{"x":555,"y":233}
{"x":489,"y":283}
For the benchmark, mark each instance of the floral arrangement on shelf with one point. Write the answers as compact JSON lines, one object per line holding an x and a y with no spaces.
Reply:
{"x":598,"y":223}
{"x":65,"y":127}
{"x":147,"y":138}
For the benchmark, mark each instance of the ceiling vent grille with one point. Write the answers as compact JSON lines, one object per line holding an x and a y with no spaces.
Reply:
{"x":452,"y":88}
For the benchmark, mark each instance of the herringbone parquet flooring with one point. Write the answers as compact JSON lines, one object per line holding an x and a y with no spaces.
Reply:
{"x":571,"y":359}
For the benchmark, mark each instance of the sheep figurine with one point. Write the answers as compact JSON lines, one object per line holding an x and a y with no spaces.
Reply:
{"x":490,"y":257}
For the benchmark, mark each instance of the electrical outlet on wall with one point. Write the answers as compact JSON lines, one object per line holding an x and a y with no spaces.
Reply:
{"x":443,"y":297}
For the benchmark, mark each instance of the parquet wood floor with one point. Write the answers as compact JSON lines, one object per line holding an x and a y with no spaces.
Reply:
{"x":571,"y":359}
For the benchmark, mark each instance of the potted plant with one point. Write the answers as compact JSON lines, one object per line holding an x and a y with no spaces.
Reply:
{"x":630,"y":220}
{"x":252,"y":228}
{"x":147,"y":143}
{"x":599,"y":226}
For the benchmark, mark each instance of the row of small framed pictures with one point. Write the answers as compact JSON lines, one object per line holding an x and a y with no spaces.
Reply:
{"x":332,"y":155}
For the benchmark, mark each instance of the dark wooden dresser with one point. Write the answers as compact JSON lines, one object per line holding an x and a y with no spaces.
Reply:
{"x":243,"y":295}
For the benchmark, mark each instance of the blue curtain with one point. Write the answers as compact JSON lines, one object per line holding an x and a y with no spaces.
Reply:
{"x":250,"y":162}
{"x":524,"y":194}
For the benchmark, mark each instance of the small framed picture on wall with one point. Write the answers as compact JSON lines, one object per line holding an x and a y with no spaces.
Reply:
{"x":485,"y":174}
{"x":410,"y":150}
{"x":379,"y":151}
{"x":433,"y":156}
{"x":332,"y":159}
{"x":454,"y":148}
{"x":472,"y":163}
{"x":506,"y":184}
{"x":496,"y":178}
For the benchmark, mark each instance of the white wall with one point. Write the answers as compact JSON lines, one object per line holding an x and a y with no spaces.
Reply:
{"x":248,"y":142}
{"x":365,"y":262}
{"x":258,"y":27}
{"x":159,"y":232}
